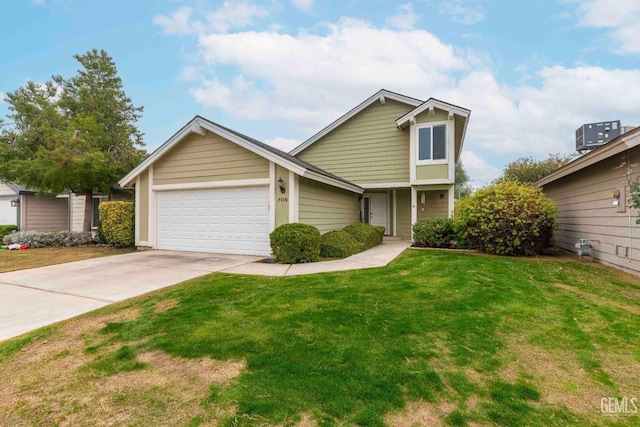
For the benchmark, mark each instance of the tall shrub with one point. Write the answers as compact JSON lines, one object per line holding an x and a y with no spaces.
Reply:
{"x":507,"y":219}
{"x":117,"y":223}
{"x":436,"y":233}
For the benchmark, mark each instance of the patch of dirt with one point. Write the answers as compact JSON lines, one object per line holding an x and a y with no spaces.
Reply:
{"x":164,"y":305}
{"x":421,"y":414}
{"x":592,"y":298}
{"x":557,"y":375}
{"x":48,"y":381}
{"x":306,"y":420}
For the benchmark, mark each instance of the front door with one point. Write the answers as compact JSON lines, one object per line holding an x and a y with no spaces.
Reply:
{"x":378,"y":210}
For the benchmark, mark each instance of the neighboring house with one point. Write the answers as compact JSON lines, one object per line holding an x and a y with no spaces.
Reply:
{"x":592,"y":194}
{"x":64,"y":212}
{"x":390,"y":161}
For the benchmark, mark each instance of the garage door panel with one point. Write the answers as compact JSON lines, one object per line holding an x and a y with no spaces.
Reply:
{"x":229,"y":220}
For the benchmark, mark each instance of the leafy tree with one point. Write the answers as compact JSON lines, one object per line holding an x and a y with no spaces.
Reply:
{"x":76,"y":134}
{"x":529,"y":170}
{"x":463,"y":188}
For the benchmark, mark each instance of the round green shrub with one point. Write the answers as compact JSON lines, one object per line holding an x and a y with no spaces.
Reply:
{"x":338,"y":244}
{"x":436,"y":233}
{"x":295,"y":243}
{"x":368,"y":235}
{"x":117,"y":223}
{"x":507,"y":219}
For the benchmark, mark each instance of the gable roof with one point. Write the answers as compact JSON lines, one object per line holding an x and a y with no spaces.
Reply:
{"x":435,"y":103}
{"x":201,"y":125}
{"x":381,"y":95}
{"x":616,"y":146}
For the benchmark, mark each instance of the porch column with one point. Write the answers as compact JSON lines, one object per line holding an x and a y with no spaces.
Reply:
{"x":452,"y":199}
{"x":414,"y":211}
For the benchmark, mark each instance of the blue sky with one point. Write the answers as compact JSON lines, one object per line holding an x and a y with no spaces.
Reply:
{"x":280,"y":70}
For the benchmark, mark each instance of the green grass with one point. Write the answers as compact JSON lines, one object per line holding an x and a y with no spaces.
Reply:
{"x":354,"y":347}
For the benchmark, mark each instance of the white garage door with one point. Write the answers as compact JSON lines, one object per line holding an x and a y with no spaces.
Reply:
{"x":8,"y":215}
{"x":224,"y":220}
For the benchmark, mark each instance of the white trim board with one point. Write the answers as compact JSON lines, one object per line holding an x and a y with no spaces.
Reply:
{"x":212,"y":184}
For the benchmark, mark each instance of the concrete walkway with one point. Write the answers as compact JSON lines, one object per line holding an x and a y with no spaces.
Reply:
{"x":378,"y":256}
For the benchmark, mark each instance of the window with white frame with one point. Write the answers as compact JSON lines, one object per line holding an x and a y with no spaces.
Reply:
{"x":95,"y":219}
{"x":432,"y":142}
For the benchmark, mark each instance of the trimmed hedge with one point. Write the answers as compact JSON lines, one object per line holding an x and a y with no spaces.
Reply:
{"x":117,"y":223}
{"x":295,"y":243}
{"x":43,"y":239}
{"x":436,"y":233}
{"x":338,"y":244}
{"x":507,"y":219}
{"x":368,"y":235}
{"x":7,"y":229}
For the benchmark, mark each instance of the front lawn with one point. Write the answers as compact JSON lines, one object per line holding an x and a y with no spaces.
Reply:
{"x":32,"y":258}
{"x":436,"y":338}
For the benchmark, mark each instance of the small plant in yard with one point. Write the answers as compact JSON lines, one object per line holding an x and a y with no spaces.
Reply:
{"x":437,"y":233}
{"x":368,"y":235}
{"x":507,"y":219}
{"x":7,"y":229}
{"x":338,"y":244}
{"x":295,"y":243}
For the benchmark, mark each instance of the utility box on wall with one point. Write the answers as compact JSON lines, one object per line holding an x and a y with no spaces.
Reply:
{"x":592,"y":135}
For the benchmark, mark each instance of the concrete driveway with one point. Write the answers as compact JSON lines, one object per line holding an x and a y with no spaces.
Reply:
{"x":30,"y":299}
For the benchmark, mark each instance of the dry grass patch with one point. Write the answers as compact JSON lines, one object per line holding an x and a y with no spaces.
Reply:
{"x":557,"y":374}
{"x":49,"y":383}
{"x":164,"y":305}
{"x":591,"y":298}
{"x":419,"y":414}
{"x":32,"y":258}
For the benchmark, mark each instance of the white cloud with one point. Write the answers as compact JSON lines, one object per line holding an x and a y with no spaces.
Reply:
{"x":231,"y":14}
{"x":305,"y":5}
{"x":302,"y":82}
{"x":284,"y":144}
{"x":2,"y":96}
{"x":480,"y":172}
{"x":467,"y":12}
{"x":620,"y":17}
{"x":405,"y":19}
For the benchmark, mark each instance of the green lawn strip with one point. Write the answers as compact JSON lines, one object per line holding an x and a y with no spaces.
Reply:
{"x":353,"y":347}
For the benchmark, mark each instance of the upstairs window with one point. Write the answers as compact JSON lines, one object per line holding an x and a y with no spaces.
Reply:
{"x":432,"y":143}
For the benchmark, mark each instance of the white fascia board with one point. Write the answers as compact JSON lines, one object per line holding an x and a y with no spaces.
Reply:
{"x":332,"y":182}
{"x":385,"y":185}
{"x":382,"y":94}
{"x":436,"y":104}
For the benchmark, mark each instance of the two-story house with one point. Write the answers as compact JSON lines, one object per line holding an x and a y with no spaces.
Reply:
{"x":390,"y":161}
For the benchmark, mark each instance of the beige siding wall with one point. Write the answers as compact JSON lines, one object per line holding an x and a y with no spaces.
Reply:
{"x":44,"y":213}
{"x":368,"y":148}
{"x":432,"y":171}
{"x":143,"y":191}
{"x":326,"y":207}
{"x":436,"y":204}
{"x":208,"y":158}
{"x":282,"y":199}
{"x":439,"y":116}
{"x":403,"y":211}
{"x":586,"y":211}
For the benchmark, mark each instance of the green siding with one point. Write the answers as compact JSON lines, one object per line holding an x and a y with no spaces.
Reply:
{"x":282,"y":199}
{"x":432,"y":172}
{"x":207,"y":158}
{"x":366,"y":149}
{"x":436,"y":204}
{"x":439,"y":116}
{"x":403,"y":211}
{"x":327,"y":207}
{"x":144,"y":206}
